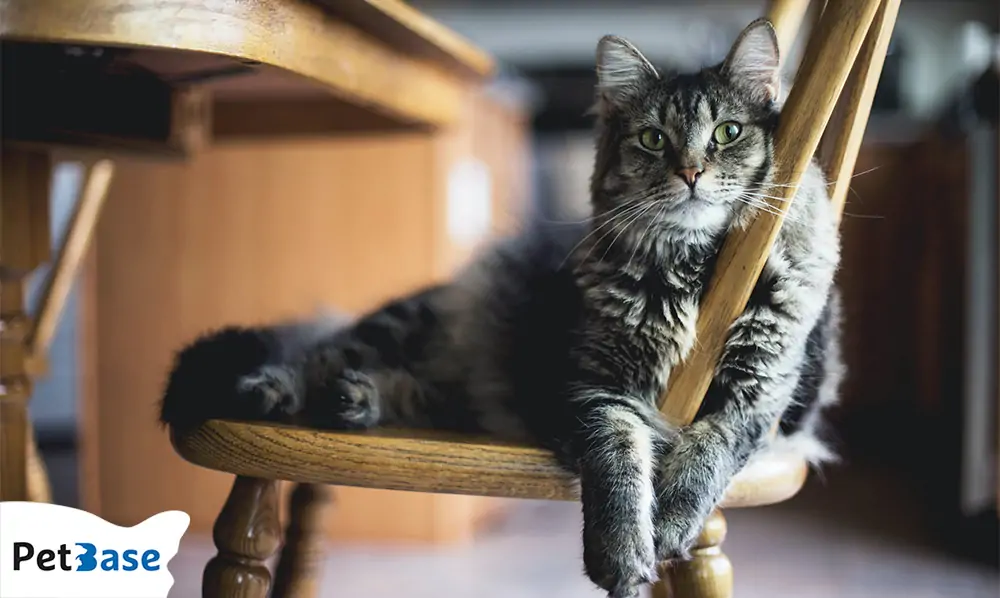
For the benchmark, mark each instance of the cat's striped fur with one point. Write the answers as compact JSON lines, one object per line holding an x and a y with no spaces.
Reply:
{"x":565,"y":335}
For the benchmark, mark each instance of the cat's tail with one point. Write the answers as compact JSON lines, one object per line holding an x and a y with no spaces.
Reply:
{"x":202,"y":383}
{"x":205,"y":379}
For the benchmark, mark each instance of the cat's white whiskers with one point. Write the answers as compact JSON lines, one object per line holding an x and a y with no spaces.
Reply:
{"x":618,"y":222}
{"x":634,"y":206}
{"x":652,"y":221}
{"x":649,"y":207}
{"x":764,"y":207}
{"x":765,"y":196}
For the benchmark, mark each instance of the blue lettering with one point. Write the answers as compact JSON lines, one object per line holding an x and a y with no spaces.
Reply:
{"x":130,"y":563}
{"x":86,"y":561}
{"x":110,"y":562}
{"x":148,"y":558}
{"x":110,"y":559}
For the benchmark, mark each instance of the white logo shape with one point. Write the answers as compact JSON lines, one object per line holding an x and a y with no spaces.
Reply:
{"x":55,"y":551}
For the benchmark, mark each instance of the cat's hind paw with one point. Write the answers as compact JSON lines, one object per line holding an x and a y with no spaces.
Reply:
{"x":269,"y":391}
{"x":349,"y":400}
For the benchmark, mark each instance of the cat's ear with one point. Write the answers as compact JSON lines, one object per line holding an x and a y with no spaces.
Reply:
{"x":621,"y":70}
{"x":754,"y":62}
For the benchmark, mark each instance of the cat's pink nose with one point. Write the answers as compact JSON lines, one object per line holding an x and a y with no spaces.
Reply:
{"x":690,"y":175}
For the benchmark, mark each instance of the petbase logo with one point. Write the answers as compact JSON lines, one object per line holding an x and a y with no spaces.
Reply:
{"x":54,"y":551}
{"x":87,"y":560}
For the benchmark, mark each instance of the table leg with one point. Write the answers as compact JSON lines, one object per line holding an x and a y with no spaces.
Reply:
{"x":24,"y":244}
{"x":15,"y":389}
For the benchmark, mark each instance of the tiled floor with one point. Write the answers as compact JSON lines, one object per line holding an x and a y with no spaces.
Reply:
{"x":858,"y":535}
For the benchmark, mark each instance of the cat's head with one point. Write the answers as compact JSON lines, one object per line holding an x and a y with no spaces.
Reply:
{"x":689,"y":147}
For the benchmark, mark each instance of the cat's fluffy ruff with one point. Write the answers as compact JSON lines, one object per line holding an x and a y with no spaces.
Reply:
{"x":564,"y":336}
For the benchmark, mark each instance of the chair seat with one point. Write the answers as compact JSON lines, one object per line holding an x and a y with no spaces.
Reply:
{"x":429,"y":461}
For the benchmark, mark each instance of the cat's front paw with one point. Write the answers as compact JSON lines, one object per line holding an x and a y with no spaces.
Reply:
{"x":348,"y":400}
{"x":690,"y":483}
{"x":619,"y":557}
{"x":269,"y":391}
{"x":676,"y":533}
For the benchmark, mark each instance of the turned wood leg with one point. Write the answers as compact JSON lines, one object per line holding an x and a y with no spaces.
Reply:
{"x":14,"y":439}
{"x":298,"y":567}
{"x":246,"y":533}
{"x":708,"y":574}
{"x":24,"y":245}
{"x":39,"y":487}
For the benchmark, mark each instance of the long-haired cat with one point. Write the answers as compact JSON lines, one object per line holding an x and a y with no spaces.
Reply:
{"x":565,"y":336}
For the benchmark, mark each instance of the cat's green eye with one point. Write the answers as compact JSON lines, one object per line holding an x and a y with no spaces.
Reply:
{"x":653,"y":139}
{"x":727,"y":132}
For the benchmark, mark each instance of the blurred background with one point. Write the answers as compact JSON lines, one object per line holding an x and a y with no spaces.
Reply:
{"x":911,"y":509}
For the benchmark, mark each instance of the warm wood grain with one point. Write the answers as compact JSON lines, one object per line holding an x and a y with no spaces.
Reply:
{"x":425,"y":461}
{"x":39,"y":487}
{"x":15,"y":389}
{"x":787,"y":17}
{"x":241,"y":233}
{"x":297,"y":37}
{"x":24,"y":245}
{"x":24,"y":211}
{"x":708,"y":574}
{"x":246,"y":533}
{"x":298,"y":570}
{"x":824,"y":70}
{"x":851,"y":118}
{"x":256,"y":231}
{"x":308,"y":118}
{"x":414,"y":32}
{"x":88,"y":430}
{"x":13,"y":444}
{"x":70,"y":256}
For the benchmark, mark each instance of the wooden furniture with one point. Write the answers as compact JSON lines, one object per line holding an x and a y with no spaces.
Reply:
{"x":259,"y":454}
{"x":248,"y":530}
{"x":344,"y":221}
{"x":149,"y":83}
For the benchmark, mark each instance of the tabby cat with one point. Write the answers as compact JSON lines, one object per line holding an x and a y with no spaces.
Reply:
{"x":564,"y":336}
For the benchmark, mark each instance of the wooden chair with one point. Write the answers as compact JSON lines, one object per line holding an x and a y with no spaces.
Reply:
{"x":849,"y":33}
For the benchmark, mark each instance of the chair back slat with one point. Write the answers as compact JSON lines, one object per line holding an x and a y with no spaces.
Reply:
{"x":823,"y":73}
{"x":847,"y":126}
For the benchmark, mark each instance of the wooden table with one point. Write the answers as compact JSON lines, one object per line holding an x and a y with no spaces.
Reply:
{"x":105,"y":78}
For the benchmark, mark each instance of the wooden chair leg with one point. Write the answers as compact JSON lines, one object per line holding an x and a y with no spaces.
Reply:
{"x":297,"y":572}
{"x":708,"y":574}
{"x":24,"y":245}
{"x":246,"y":533}
{"x":39,"y":487}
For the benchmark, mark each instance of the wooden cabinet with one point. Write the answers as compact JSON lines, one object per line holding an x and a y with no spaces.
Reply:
{"x":253,"y":231}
